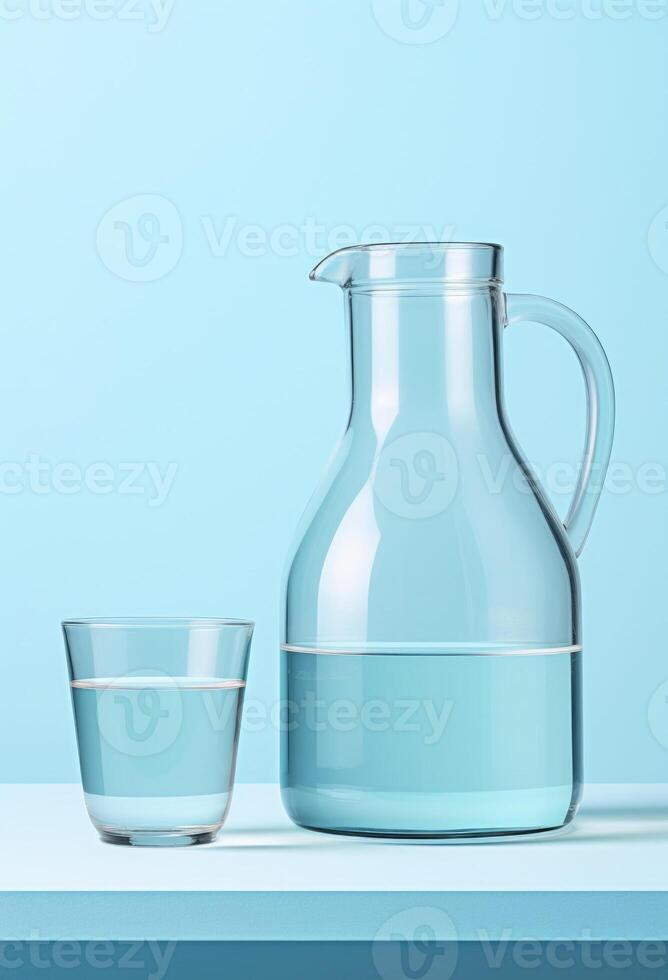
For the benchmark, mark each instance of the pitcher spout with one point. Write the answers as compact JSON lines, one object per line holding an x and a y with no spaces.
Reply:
{"x":412,"y":262}
{"x":339,"y":267}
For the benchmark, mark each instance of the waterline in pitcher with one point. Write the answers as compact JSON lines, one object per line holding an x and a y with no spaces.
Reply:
{"x":432,"y":650}
{"x":432,"y":745}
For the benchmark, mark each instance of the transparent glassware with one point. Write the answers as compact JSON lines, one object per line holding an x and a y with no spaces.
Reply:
{"x":431,"y":640}
{"x":157,"y":708}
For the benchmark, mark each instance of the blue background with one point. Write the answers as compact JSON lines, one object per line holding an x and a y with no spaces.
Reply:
{"x":545,"y":134}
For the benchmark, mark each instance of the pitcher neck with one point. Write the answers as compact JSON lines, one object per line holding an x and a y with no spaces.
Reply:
{"x":425,"y":358}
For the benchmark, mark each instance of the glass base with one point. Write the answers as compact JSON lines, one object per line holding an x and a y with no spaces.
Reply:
{"x":156,"y":838}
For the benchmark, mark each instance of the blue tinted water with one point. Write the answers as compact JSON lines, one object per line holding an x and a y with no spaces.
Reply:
{"x":432,"y":745}
{"x":157,"y":753}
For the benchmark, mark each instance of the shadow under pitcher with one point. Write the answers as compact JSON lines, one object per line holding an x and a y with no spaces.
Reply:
{"x":431,"y":639}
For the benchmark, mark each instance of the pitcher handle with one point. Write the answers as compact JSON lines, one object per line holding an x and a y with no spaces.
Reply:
{"x":600,"y":403}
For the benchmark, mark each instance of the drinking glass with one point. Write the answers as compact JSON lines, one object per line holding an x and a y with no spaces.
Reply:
{"x":157,"y":707}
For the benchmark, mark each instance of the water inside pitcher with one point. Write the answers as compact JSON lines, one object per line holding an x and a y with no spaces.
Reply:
{"x":431,"y":647}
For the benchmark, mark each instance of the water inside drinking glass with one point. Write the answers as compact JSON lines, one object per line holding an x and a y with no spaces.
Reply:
{"x":157,"y":706}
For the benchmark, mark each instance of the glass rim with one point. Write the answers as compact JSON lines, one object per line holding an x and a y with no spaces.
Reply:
{"x":158,"y":622}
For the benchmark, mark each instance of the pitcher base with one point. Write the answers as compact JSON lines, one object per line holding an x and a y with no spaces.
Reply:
{"x":456,"y":816}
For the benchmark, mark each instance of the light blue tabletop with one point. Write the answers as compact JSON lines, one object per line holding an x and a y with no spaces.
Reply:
{"x":605,"y":877}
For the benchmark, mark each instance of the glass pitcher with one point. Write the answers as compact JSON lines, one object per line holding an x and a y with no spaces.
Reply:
{"x":431,"y":645}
